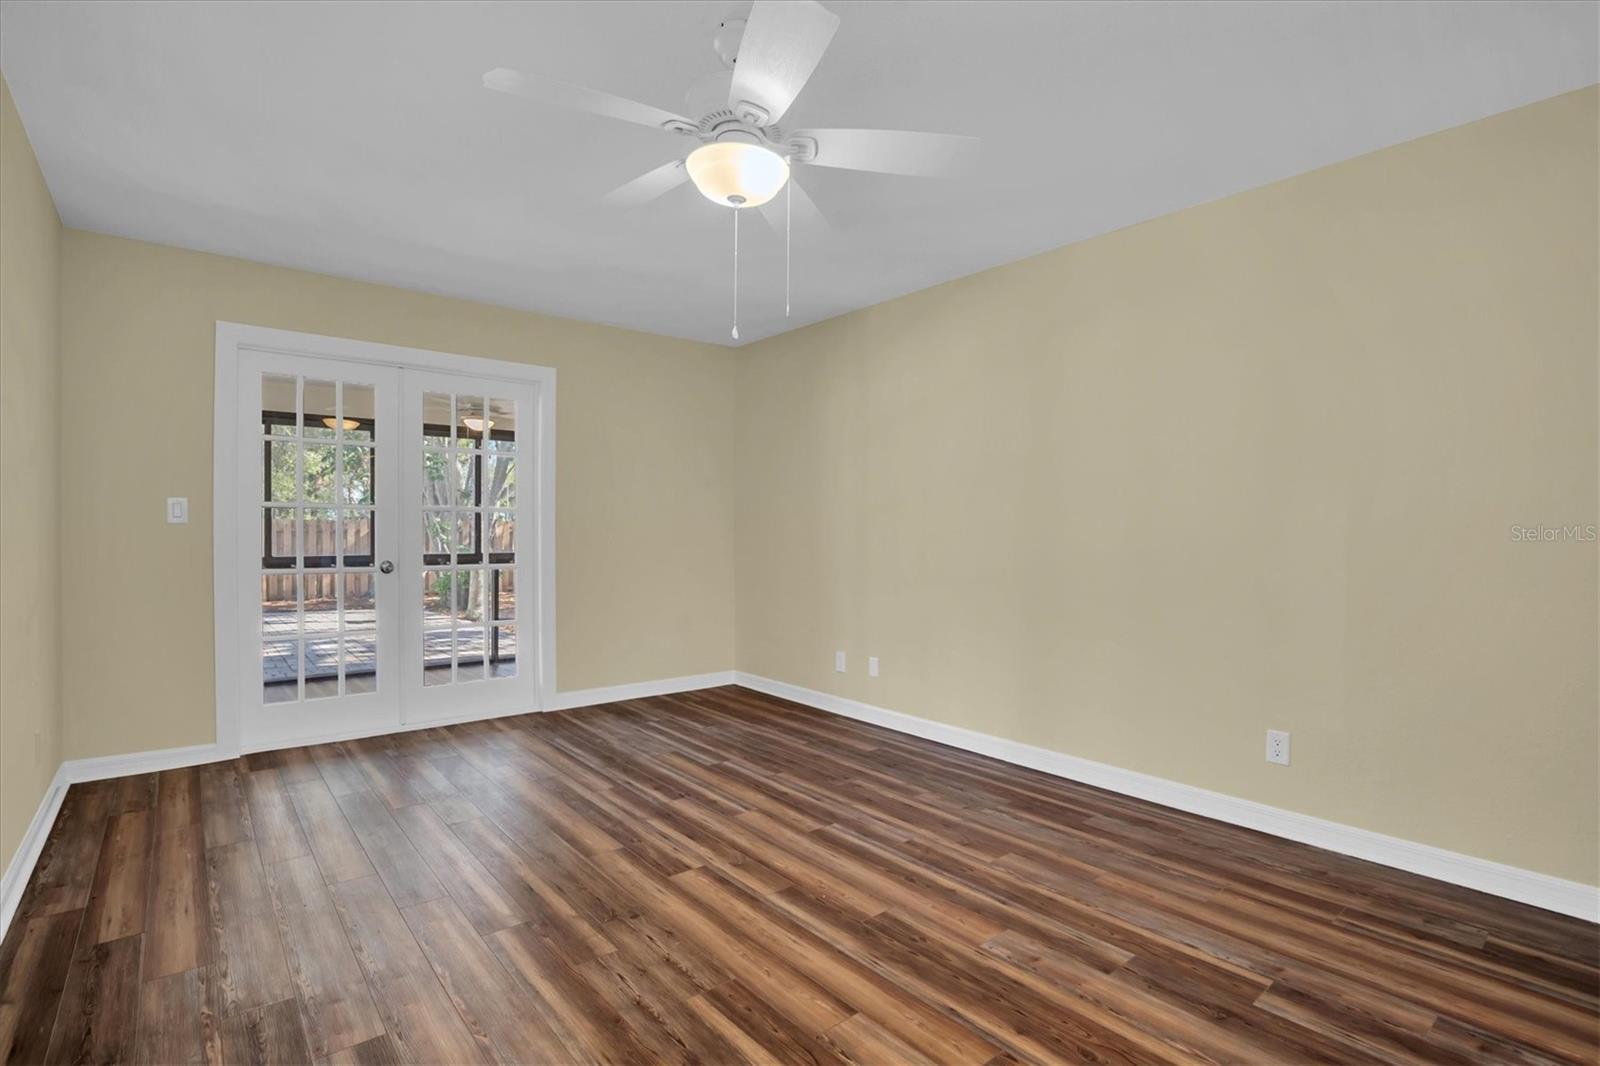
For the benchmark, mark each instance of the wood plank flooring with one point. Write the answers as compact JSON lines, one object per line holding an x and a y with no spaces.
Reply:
{"x":723,"y":877}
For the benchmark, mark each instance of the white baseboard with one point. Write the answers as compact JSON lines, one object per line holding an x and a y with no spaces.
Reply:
{"x":139,"y":762}
{"x":589,"y":697}
{"x":1511,"y":882}
{"x":23,"y":860}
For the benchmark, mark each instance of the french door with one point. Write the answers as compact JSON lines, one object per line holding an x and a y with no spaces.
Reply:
{"x":381,"y":533}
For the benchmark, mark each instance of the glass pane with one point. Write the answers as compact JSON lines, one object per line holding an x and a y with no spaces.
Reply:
{"x":469,"y":598}
{"x":279,"y":535}
{"x":357,"y":537}
{"x":503,"y":655}
{"x":436,"y":418}
{"x":360,"y":665}
{"x":479,"y":600}
{"x":357,"y":475}
{"x":469,"y":654}
{"x":466,"y":532}
{"x":359,"y":410}
{"x":436,"y":658}
{"x":280,"y":605}
{"x":501,"y":488}
{"x":436,"y":479}
{"x":436,"y":527}
{"x":449,"y":595}
{"x":321,"y":410}
{"x":280,"y":472}
{"x":280,"y":676}
{"x":503,"y":588}
{"x":322,"y":668}
{"x":470,"y":424}
{"x":502,"y":531}
{"x":317,"y":472}
{"x":360,"y":602}
{"x":321,"y":605}
{"x":277,"y":404}
{"x":318,"y":537}
{"x":465,"y":480}
{"x":503,"y":413}
{"x":436,"y":599}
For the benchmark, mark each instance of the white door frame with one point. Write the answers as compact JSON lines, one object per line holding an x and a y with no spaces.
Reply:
{"x":231,"y":337}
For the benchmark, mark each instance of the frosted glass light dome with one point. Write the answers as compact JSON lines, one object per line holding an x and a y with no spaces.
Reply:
{"x":736,"y":174}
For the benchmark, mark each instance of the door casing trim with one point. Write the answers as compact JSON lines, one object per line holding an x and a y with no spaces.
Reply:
{"x":230,"y":338}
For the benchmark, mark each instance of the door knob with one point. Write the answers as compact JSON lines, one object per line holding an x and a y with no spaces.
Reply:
{"x":386,"y":567}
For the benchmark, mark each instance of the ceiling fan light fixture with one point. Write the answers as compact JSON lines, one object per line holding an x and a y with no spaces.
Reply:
{"x":737,"y":174}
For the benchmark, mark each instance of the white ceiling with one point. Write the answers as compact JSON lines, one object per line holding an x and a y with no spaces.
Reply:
{"x":354,"y":138}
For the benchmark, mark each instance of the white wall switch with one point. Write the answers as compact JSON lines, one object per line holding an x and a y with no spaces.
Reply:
{"x":177,"y":510}
{"x":872,"y":666}
{"x":838,"y":662}
{"x":1278,"y":746}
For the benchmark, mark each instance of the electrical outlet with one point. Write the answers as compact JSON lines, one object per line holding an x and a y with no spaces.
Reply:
{"x":1278,"y":746}
{"x":872,"y":666}
{"x":838,"y":662}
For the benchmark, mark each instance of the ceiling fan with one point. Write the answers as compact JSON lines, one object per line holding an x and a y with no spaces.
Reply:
{"x":743,"y":157}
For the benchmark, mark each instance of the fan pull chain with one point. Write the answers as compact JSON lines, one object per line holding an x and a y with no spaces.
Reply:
{"x":788,"y":225}
{"x":735,"y":273}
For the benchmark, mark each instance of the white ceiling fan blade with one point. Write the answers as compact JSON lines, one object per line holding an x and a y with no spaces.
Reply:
{"x":923,"y":155}
{"x":544,"y":90}
{"x":783,"y":41}
{"x":647,"y":186}
{"x":808,"y":217}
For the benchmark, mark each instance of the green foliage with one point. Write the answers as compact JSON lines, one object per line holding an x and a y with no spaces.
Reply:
{"x":319,"y":472}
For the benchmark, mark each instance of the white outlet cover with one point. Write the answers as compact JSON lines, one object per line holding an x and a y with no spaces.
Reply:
{"x":1278,"y":747}
{"x":838,"y":662}
{"x":872,"y":666}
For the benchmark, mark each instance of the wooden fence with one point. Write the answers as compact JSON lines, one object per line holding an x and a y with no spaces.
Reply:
{"x":322,"y":539}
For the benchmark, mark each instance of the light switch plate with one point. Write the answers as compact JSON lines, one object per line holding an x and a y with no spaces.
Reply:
{"x":177,"y":510}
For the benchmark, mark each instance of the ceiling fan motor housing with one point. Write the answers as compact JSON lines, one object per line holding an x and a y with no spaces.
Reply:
{"x":732,"y":129}
{"x":724,"y":124}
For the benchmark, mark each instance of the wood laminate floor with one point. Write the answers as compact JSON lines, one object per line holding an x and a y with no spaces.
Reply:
{"x":721,"y":877}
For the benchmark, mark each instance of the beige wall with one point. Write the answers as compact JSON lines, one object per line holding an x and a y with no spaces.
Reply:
{"x":1253,"y":465}
{"x":30,"y":470}
{"x":644,"y":480}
